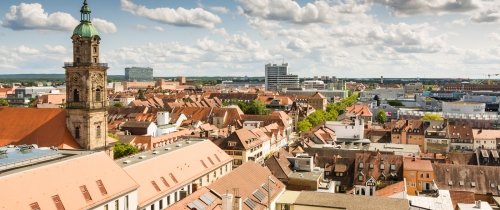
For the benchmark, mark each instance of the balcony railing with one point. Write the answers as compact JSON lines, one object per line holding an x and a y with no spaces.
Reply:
{"x":72,"y":64}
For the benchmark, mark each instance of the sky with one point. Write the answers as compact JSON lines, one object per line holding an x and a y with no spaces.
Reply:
{"x":342,"y":38}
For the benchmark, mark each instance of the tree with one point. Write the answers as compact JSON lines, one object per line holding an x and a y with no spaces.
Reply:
{"x":4,"y":102}
{"x":395,"y":103}
{"x":432,"y":117}
{"x":258,"y":108}
{"x":118,"y":105}
{"x":122,"y":150}
{"x":141,"y":94}
{"x":376,"y":98}
{"x":304,"y":125}
{"x":381,"y":116}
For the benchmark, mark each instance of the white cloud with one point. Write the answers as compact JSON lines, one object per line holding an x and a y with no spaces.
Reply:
{"x":196,"y":17}
{"x":33,"y":17}
{"x":141,"y":27}
{"x":219,"y":9}
{"x":412,"y":7}
{"x":58,"y":49}
{"x":27,"y":50}
{"x":104,"y":26}
{"x":494,"y":36}
{"x":158,"y":28}
{"x":487,"y":15}
{"x":288,"y":10}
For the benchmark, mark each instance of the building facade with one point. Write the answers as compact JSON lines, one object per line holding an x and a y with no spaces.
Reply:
{"x":139,"y":74}
{"x":277,"y":77}
{"x":86,"y":79}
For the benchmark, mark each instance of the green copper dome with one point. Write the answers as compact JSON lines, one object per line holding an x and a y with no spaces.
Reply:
{"x":85,"y":28}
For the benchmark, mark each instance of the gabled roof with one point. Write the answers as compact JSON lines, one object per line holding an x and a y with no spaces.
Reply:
{"x":64,"y":179}
{"x":184,"y":165}
{"x":359,"y":110}
{"x":483,"y":134}
{"x":248,"y":178}
{"x":417,"y":164}
{"x":279,"y":165}
{"x":478,"y":179}
{"x":44,"y":127}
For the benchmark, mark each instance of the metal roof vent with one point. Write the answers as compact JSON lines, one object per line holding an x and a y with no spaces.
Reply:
{"x":126,"y":161}
{"x":168,"y":148}
{"x":155,"y":152}
{"x":142,"y":156}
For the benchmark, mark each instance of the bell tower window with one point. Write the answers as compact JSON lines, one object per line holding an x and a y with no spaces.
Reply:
{"x":98,"y":96}
{"x":77,"y":133}
{"x":95,"y":59}
{"x":95,"y":49}
{"x":76,"y":95}
{"x":98,"y":131}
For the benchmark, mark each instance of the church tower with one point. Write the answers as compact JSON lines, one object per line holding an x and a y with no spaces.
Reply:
{"x":86,"y":78}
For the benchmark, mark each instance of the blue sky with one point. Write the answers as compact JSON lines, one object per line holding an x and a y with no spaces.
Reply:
{"x":343,"y":38}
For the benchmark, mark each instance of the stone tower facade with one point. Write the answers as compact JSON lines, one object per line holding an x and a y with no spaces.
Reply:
{"x":86,"y":78}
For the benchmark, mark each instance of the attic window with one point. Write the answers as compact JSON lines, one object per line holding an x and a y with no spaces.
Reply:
{"x":231,"y":144}
{"x":35,"y":206}
{"x":450,"y":183}
{"x":382,"y":166}
{"x":473,"y":184}
{"x":101,"y":187}
{"x":165,"y":182}
{"x":173,"y":177}
{"x":461,"y":183}
{"x":85,"y":193}
{"x":203,"y":163}
{"x":371,"y":165}
{"x":210,"y":159}
{"x":492,"y":185}
{"x":58,"y":202}
{"x":360,"y":165}
{"x":155,"y":186}
{"x":217,"y":157}
{"x":393,"y":167}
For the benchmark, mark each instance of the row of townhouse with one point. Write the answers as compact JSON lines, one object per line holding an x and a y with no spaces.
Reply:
{"x":253,"y":144}
{"x":442,"y":136}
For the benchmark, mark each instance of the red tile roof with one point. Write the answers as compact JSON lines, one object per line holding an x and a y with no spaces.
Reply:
{"x":45,"y":127}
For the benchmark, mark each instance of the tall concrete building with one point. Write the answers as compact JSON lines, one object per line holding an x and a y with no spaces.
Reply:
{"x":86,"y":81}
{"x":277,"y":77}
{"x":139,"y":74}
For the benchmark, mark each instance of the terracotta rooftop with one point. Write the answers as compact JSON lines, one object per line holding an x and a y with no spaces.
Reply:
{"x":65,"y":179}
{"x":184,"y":166}
{"x":483,"y":134}
{"x":248,"y":178}
{"x":416,"y":164}
{"x":478,"y":179}
{"x":392,"y":189}
{"x":359,"y":110}
{"x":44,"y":127}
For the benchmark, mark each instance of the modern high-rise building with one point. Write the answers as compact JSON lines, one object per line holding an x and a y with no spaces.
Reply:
{"x":139,"y":74}
{"x":277,"y":77}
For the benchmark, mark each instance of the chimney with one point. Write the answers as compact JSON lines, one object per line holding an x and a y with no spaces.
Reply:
{"x":237,"y":203}
{"x":227,"y":201}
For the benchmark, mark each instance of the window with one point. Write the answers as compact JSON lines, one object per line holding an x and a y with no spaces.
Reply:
{"x":101,"y":187}
{"x":360,"y":178}
{"x":57,"y":202}
{"x":152,"y":206}
{"x":382,"y":166}
{"x":428,"y":176}
{"x":95,"y":59}
{"x":106,"y":207}
{"x":371,"y":165}
{"x":360,"y":165}
{"x":77,"y":133}
{"x":117,"y":204}
{"x":98,"y":94}
{"x":35,"y":206}
{"x":76,"y":95}
{"x":161,"y":204}
{"x":285,"y":207}
{"x":126,"y":202}
{"x":421,"y":175}
{"x":95,"y":49}
{"x":168,"y":200}
{"x":393,"y":167}
{"x":215,"y":174}
{"x":85,"y":193}
{"x":220,"y":171}
{"x":98,"y":131}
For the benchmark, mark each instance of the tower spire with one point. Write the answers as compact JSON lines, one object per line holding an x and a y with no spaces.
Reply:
{"x":85,"y":12}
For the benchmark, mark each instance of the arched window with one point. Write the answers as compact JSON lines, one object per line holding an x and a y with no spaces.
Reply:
{"x":76,"y":95}
{"x":98,"y":94}
{"x":98,"y":131}
{"x":77,"y":133}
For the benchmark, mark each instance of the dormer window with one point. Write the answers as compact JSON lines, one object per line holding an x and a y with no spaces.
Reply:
{"x":393,"y":167}
{"x":361,"y":165}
